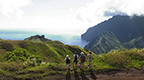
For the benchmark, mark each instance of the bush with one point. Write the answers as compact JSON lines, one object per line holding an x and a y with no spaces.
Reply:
{"x":125,"y":58}
{"x":11,"y":66}
{"x":117,"y":59}
{"x":18,"y":55}
{"x":135,"y":54}
{"x":6,"y":45}
{"x":22,"y":55}
{"x":1,"y":58}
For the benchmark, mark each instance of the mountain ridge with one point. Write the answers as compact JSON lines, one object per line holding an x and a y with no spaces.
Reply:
{"x":121,"y":26}
{"x":103,"y":43}
{"x":37,"y":38}
{"x":128,"y":30}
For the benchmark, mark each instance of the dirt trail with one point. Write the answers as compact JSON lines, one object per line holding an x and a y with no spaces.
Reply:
{"x":123,"y":74}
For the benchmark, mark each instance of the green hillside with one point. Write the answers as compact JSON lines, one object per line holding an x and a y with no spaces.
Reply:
{"x":125,"y":28}
{"x":34,"y":53}
{"x":137,"y":42}
{"x":127,"y":33}
{"x":50,"y":51}
{"x":108,"y":41}
{"x":112,"y":61}
{"x":103,"y":43}
{"x":37,"y":38}
{"x":32,"y":60}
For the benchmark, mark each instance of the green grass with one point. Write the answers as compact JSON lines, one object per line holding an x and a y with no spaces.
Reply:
{"x":50,"y":51}
{"x":53,"y":54}
{"x":117,"y":59}
{"x":1,"y":58}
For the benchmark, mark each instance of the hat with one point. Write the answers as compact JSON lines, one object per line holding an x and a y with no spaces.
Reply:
{"x":81,"y":53}
{"x":67,"y":55}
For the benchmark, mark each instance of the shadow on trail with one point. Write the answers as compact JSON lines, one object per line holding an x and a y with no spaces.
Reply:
{"x":83,"y":75}
{"x":76,"y":75}
{"x":92,"y":74}
{"x":68,"y":77}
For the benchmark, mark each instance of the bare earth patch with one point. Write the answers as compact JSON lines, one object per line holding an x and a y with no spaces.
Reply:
{"x":123,"y":74}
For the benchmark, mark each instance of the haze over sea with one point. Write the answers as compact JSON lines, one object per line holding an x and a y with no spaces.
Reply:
{"x":21,"y":35}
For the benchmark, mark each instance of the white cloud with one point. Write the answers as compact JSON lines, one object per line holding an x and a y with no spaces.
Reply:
{"x":95,"y":11}
{"x":13,"y":6}
{"x":63,"y":16}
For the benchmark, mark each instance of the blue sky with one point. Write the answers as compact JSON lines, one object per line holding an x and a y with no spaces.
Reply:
{"x":66,"y":17}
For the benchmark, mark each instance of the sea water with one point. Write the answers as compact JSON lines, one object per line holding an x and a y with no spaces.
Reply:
{"x":66,"y":39}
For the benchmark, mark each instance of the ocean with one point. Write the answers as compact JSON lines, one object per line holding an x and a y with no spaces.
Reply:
{"x":66,"y":39}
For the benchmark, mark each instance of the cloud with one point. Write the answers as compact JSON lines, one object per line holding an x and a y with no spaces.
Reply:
{"x":15,"y":32}
{"x":113,"y":13}
{"x":100,"y":10}
{"x":62,"y":17}
{"x":13,"y":6}
{"x":79,"y":17}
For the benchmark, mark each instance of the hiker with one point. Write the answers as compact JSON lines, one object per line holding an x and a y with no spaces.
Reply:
{"x":75,"y":57}
{"x":90,"y":60}
{"x":67,"y":60}
{"x":82,"y":58}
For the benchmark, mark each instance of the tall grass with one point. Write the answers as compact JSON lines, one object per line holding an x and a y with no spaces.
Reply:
{"x":1,"y":58}
{"x":123,"y":58}
{"x":53,"y":55}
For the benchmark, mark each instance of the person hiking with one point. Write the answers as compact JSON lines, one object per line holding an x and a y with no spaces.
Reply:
{"x":75,"y":57}
{"x":67,"y":60}
{"x":83,"y":59}
{"x":90,"y":60}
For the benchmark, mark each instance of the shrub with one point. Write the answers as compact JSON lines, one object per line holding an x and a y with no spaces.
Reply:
{"x":11,"y":66}
{"x":117,"y":59}
{"x":18,"y":55}
{"x":22,"y":55}
{"x":125,"y":58}
{"x":135,"y":54}
{"x":6,"y":45}
{"x":1,"y":58}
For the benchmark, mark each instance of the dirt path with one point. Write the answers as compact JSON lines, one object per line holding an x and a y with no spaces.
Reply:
{"x":123,"y":74}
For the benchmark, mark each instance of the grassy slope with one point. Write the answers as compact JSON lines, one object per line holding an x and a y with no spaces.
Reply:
{"x":50,"y":51}
{"x":103,"y":43}
{"x":114,"y":60}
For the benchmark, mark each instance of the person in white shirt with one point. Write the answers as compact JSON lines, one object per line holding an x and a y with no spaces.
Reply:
{"x":90,"y":60}
{"x":67,"y":60}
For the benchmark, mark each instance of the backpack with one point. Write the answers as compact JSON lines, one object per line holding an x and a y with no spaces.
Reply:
{"x":75,"y":58}
{"x":83,"y":59}
{"x":67,"y":60}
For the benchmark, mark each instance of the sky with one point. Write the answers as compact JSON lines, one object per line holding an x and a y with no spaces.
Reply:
{"x":71,"y":17}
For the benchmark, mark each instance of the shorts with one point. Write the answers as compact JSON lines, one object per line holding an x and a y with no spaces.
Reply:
{"x":82,"y":63}
{"x":75,"y":61}
{"x":90,"y":60}
{"x":67,"y":65}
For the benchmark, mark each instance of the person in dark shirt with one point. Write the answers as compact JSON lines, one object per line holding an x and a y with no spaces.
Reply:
{"x":75,"y":57}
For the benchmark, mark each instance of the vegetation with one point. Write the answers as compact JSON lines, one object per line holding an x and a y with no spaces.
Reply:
{"x":38,"y":38}
{"x":45,"y":60}
{"x":125,"y":28}
{"x":107,"y":41}
{"x":22,"y":55}
{"x":116,"y":33}
{"x":28,"y":59}
{"x":114,"y":60}
{"x":103,"y":43}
